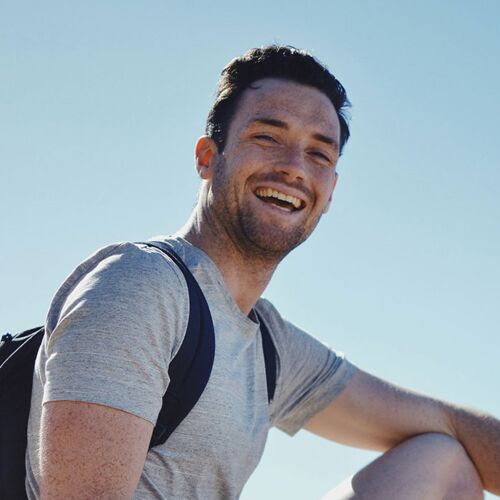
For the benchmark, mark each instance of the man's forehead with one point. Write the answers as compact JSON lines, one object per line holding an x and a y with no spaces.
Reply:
{"x":285,"y":100}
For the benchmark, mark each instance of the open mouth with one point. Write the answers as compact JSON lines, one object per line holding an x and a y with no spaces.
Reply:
{"x":280,"y":200}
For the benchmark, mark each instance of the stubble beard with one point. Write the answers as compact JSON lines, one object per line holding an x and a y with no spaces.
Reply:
{"x":253,"y":237}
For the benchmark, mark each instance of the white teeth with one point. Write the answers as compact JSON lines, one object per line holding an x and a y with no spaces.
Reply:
{"x":271,"y":193}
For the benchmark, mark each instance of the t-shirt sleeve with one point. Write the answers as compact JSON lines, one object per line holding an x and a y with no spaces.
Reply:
{"x":310,"y":374}
{"x":113,"y":328}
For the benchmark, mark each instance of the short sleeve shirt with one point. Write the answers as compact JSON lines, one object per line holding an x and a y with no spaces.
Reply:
{"x":114,"y":326}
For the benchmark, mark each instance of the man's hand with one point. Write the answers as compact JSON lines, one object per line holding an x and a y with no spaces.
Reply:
{"x":374,"y":414}
{"x":91,"y":451}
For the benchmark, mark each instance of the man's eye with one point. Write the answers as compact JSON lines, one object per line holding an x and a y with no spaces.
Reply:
{"x":321,"y":156}
{"x":264,"y":137}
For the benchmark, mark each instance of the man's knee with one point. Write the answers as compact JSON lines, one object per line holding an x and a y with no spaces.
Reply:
{"x":453,"y":471}
{"x":463,"y":479}
{"x":446,"y":464}
{"x":428,"y":466}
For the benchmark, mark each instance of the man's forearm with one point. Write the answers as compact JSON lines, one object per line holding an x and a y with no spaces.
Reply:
{"x":479,"y":433}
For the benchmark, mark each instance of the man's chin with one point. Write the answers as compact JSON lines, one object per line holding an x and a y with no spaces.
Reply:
{"x":274,"y":244}
{"x":271,"y":240}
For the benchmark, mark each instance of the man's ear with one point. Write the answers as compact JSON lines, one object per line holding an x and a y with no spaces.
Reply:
{"x":205,"y":151}
{"x":327,"y":207}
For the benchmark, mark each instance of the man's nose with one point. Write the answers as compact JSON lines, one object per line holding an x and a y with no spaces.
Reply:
{"x":292,"y":164}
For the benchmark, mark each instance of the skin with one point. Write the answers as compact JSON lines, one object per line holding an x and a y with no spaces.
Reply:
{"x":283,"y":136}
{"x":89,"y":451}
{"x":424,"y":467}
{"x":374,"y":414}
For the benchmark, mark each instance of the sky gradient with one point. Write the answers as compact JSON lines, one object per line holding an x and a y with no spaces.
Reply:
{"x":100,"y":107}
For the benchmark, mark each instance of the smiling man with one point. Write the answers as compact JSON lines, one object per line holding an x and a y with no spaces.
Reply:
{"x":268,"y":170}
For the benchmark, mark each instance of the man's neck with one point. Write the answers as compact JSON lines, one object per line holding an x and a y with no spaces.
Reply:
{"x":246,"y":276}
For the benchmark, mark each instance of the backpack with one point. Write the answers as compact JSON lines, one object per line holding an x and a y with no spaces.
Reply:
{"x":189,"y":372}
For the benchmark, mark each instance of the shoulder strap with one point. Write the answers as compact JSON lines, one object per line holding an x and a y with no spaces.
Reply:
{"x":269,"y":357}
{"x":190,"y":369}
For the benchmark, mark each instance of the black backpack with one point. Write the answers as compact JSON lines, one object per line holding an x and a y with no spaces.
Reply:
{"x":189,"y":372}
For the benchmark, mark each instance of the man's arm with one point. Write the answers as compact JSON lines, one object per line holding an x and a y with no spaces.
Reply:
{"x":374,"y":414}
{"x":91,"y":451}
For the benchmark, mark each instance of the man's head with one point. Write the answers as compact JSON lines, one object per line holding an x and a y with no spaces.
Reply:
{"x":274,"y":61}
{"x":269,"y":158}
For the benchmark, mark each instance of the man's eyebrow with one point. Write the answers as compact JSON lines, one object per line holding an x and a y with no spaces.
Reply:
{"x":281,"y":124}
{"x":269,"y":121}
{"x":327,"y":140}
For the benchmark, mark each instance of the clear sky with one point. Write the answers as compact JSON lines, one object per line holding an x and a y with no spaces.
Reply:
{"x":100,"y":106}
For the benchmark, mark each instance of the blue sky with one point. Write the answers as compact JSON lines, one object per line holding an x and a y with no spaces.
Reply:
{"x":101,"y":104}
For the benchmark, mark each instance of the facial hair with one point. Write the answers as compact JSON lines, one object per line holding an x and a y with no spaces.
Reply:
{"x":249,"y":230}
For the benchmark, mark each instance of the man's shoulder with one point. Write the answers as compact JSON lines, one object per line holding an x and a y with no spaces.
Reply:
{"x":120,"y":273}
{"x":129,"y":259}
{"x":287,"y":334}
{"x":268,"y":312}
{"x":278,"y":327}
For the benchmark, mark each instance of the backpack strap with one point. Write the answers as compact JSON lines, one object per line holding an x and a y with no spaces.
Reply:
{"x":190,"y":369}
{"x":269,"y":357}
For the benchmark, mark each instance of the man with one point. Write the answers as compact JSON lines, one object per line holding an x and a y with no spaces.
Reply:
{"x":268,"y":170}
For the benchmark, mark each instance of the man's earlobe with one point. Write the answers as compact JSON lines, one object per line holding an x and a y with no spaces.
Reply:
{"x":204,"y":153}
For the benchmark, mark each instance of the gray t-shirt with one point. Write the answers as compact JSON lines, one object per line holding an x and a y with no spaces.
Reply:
{"x":112,"y":329}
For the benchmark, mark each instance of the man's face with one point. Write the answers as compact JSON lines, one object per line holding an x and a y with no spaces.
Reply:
{"x":276,"y":175}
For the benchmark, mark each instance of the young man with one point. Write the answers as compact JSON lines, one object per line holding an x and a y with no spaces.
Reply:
{"x":267,"y":165}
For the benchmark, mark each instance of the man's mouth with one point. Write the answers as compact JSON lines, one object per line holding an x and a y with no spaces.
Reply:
{"x":279,"y":199}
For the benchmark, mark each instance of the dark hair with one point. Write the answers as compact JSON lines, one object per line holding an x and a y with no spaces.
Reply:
{"x":273,"y":61}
